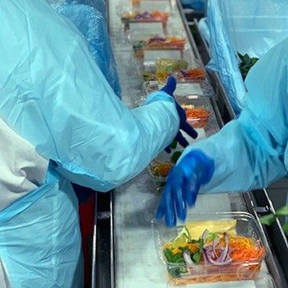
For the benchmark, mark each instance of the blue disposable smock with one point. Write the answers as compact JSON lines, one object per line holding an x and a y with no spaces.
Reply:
{"x":54,"y":96}
{"x":92,"y":23}
{"x":251,"y":151}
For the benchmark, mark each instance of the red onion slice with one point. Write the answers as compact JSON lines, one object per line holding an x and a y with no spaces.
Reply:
{"x":215,"y":262}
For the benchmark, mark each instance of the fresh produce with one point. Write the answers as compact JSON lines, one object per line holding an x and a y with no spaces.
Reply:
{"x":178,"y":68}
{"x":196,"y":116}
{"x":246,"y":64}
{"x":214,"y":256}
{"x":155,"y":16}
{"x":161,"y":169}
{"x":271,"y":218}
{"x":156,"y":42}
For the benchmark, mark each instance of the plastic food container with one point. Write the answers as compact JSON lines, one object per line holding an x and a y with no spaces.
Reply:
{"x":159,"y":168}
{"x":263,"y":280}
{"x":203,"y":117}
{"x":150,"y":5}
{"x":188,"y":90}
{"x":200,"y":114}
{"x":158,"y":44}
{"x":159,"y":171}
{"x":144,"y":17}
{"x":182,"y":69}
{"x":211,"y":248}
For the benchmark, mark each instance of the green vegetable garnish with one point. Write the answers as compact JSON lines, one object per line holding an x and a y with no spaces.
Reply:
{"x":270,"y":218}
{"x":212,"y":236}
{"x":176,"y":271}
{"x":246,"y":64}
{"x":174,"y":158}
{"x":196,"y":258}
{"x":173,"y":145}
{"x":201,"y":245}
{"x":168,"y":254}
{"x":177,"y":257}
{"x":194,"y":241}
{"x":285,"y":228}
{"x":282,"y":211}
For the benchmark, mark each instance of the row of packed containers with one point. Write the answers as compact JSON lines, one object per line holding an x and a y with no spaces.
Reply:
{"x":211,"y":248}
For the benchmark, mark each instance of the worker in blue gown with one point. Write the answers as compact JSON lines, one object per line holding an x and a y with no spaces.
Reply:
{"x":62,"y":123}
{"x":250,"y":152}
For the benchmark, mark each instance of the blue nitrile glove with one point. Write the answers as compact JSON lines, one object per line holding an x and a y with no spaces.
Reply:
{"x":184,"y":181}
{"x":169,"y":88}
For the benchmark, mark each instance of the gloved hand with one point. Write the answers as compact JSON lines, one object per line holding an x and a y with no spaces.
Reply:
{"x":184,"y":181}
{"x":169,"y":88}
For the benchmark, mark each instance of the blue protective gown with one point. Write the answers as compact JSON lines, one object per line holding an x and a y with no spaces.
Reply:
{"x":92,"y":23}
{"x":55,"y":97}
{"x":251,"y":151}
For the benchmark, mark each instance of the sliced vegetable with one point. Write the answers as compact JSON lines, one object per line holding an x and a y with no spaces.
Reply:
{"x":268,"y":219}
{"x":196,"y":257}
{"x":176,"y":155}
{"x":246,"y":64}
{"x":168,"y":254}
{"x":187,"y":258}
{"x":173,"y":145}
{"x":282,"y":211}
{"x":285,"y":228}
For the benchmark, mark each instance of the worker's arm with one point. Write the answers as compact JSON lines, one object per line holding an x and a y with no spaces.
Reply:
{"x":249,"y":152}
{"x":100,"y":143}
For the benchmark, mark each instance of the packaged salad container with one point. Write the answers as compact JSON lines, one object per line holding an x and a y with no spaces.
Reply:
{"x":263,"y":280}
{"x":182,"y":69}
{"x":200,"y":113}
{"x":211,"y":248}
{"x":158,"y":44}
{"x":152,"y":5}
{"x":160,"y":167}
{"x":188,"y":90}
{"x":130,"y":17}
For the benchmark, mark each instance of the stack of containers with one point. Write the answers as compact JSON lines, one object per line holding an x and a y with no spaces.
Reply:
{"x":247,"y":27}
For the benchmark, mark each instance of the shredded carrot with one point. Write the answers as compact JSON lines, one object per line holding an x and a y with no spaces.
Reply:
{"x":197,"y":117}
{"x":161,"y":169}
{"x":196,"y":74}
{"x":190,"y":74}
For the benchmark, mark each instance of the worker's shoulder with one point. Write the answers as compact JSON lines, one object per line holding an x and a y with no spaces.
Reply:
{"x":35,"y":23}
{"x":35,"y":40}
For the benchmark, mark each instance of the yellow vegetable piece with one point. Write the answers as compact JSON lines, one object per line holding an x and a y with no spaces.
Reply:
{"x":196,"y":228}
{"x":181,"y":239}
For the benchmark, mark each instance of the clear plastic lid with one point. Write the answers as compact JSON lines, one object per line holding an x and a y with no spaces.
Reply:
{"x":199,"y":111}
{"x":212,"y":247}
{"x":187,"y":90}
{"x":184,"y":69}
{"x":128,"y":17}
{"x":152,"y":5}
{"x":159,"y":168}
{"x":154,"y":46}
{"x":263,"y":280}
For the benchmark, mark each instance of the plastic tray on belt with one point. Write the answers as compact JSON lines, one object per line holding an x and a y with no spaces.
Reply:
{"x":211,"y":237}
